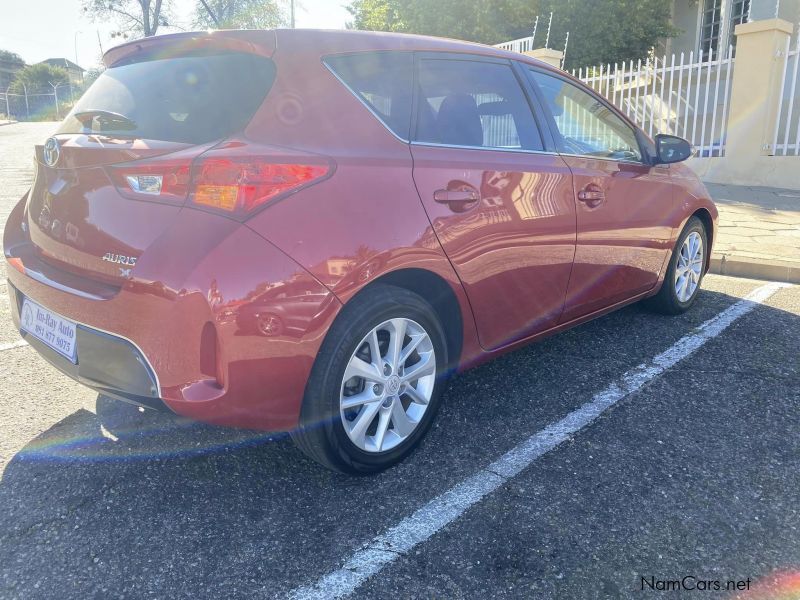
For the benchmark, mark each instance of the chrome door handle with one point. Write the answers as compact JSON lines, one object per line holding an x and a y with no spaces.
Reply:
{"x":591,"y":195}
{"x":447,"y":196}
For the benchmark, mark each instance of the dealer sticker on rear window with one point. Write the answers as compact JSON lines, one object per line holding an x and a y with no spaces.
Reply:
{"x":52,"y":329}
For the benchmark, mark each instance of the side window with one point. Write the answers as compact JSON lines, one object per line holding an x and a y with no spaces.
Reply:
{"x":474,"y":104}
{"x":382,"y":80}
{"x":587,"y":126}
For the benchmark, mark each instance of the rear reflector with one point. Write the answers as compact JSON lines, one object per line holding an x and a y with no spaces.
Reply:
{"x":16,"y":263}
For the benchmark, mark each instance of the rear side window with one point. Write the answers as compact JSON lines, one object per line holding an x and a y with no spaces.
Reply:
{"x":383,"y":81}
{"x":191,"y":99}
{"x":474,"y":104}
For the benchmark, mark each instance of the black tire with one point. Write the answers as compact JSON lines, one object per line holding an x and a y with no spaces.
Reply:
{"x":321,"y":435}
{"x":666,"y":301}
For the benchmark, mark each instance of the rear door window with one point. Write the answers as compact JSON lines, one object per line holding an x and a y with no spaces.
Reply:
{"x":474,"y":104}
{"x":190,"y":99}
{"x":383,"y":81}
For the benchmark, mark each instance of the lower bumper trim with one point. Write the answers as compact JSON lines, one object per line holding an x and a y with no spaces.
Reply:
{"x":110,"y":364}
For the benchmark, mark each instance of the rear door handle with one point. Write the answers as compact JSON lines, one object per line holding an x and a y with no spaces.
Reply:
{"x":447,"y":196}
{"x":591,"y":195}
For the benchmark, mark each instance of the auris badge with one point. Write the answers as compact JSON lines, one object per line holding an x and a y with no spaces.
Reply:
{"x":52,"y":151}
{"x":121,"y":259}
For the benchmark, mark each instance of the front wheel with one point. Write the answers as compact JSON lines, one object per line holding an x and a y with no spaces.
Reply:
{"x":376,"y":384}
{"x":685,"y":271}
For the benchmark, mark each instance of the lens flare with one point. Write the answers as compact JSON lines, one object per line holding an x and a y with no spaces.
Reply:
{"x":779,"y":585}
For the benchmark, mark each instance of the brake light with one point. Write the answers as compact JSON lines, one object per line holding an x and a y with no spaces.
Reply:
{"x":243,"y":185}
{"x":234,"y":178}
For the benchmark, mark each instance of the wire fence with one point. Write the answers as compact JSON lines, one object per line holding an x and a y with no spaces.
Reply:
{"x":38,"y":106}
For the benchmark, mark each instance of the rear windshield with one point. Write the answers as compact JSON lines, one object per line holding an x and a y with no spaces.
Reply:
{"x":190,"y":99}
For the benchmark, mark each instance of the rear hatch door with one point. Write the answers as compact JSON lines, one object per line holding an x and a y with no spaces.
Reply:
{"x":116,"y":174}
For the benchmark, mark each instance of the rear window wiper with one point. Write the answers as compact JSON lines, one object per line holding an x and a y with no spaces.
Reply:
{"x":104,"y":118}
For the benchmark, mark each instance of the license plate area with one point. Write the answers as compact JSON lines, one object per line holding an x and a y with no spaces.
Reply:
{"x":50,"y":328}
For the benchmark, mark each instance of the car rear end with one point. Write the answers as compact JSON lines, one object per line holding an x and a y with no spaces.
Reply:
{"x":131,"y":250}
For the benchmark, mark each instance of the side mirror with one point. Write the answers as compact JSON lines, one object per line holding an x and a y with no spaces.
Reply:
{"x":671,"y":149}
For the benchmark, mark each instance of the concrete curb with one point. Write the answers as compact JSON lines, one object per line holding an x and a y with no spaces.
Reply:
{"x":8,"y":123}
{"x":753,"y":268}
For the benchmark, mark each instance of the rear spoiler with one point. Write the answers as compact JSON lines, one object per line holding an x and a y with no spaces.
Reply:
{"x":261,"y":42}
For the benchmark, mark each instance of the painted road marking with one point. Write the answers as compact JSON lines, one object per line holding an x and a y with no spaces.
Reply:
{"x":12,"y":345}
{"x":449,"y":506}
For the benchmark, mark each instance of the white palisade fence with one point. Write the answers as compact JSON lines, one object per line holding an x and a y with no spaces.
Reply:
{"x":521,"y":45}
{"x":787,"y":126}
{"x":681,"y":95}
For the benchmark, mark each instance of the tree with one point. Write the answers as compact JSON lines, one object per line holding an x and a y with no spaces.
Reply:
{"x":90,"y":77}
{"x":607,"y":31}
{"x":39,"y":79}
{"x":238,"y":14}
{"x":600,"y":30}
{"x":10,"y":63}
{"x":486,"y":21}
{"x":10,"y":59}
{"x":134,"y":18}
{"x":377,"y":15}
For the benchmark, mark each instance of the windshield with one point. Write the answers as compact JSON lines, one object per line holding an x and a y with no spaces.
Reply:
{"x":191,"y":99}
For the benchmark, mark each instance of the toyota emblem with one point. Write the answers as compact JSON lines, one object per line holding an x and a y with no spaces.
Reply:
{"x":51,"y":151}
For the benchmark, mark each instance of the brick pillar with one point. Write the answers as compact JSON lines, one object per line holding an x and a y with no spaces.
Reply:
{"x":756,"y":87}
{"x":548,"y":55}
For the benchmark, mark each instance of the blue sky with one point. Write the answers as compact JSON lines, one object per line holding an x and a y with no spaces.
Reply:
{"x":40,"y":29}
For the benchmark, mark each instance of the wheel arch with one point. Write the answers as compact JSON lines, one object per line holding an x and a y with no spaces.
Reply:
{"x":435,"y":290}
{"x":708,"y":223}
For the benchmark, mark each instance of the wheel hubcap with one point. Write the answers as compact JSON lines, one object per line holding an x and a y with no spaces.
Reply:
{"x":393,"y":384}
{"x":689,"y":267}
{"x":387,"y":385}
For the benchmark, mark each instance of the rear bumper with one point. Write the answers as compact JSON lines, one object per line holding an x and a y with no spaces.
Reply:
{"x":171,"y":334}
{"x":110,"y":364}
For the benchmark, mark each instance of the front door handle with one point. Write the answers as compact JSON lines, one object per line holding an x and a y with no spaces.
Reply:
{"x":592,"y":195}
{"x":462,"y":196}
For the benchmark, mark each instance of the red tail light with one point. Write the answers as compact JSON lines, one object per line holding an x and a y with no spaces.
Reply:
{"x":228,"y":179}
{"x":242,"y":185}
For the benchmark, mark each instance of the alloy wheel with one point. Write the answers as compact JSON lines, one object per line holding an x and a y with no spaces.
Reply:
{"x":387,"y":385}
{"x":689,"y":267}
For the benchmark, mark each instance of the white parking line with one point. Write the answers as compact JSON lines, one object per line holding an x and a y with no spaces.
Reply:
{"x":12,"y":345}
{"x":447,"y":507}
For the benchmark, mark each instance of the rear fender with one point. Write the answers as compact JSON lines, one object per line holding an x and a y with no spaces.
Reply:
{"x":243,"y":372}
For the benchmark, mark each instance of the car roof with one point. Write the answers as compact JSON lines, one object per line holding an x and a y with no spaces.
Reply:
{"x":323,"y":41}
{"x":349,"y":40}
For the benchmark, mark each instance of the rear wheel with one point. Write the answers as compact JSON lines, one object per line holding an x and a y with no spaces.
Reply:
{"x":685,"y":271}
{"x":376,"y":384}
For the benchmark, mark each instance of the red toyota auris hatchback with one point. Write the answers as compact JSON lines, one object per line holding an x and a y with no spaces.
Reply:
{"x":306,"y":230}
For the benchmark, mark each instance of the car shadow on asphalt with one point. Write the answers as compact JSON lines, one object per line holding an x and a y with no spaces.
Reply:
{"x":148,"y":503}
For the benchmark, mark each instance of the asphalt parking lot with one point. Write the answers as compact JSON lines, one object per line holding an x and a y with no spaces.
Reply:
{"x":693,"y":471}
